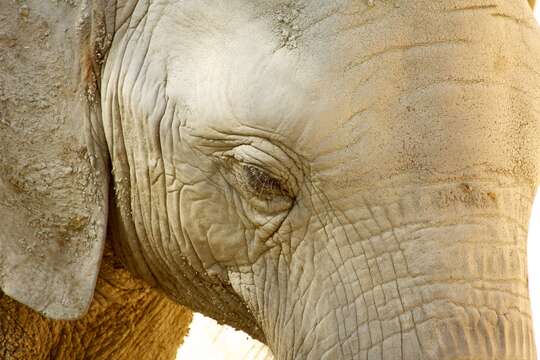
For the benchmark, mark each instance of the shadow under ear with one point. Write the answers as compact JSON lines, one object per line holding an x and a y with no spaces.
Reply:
{"x":53,"y":169}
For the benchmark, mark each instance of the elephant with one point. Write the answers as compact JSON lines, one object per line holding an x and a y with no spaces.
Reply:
{"x":347,"y":179}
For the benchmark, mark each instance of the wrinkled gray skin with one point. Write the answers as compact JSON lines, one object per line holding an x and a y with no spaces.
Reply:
{"x":342,"y":179}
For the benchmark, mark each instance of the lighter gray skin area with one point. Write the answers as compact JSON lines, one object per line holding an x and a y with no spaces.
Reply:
{"x":343,"y":180}
{"x":361,"y":179}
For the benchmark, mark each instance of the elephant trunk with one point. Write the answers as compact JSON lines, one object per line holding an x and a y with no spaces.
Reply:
{"x":433,"y":274}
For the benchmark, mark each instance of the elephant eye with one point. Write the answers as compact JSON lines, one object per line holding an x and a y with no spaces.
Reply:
{"x":263,"y":184}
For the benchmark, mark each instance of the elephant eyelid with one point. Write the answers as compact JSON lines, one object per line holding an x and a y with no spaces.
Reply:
{"x":263,"y":184}
{"x":258,"y":174}
{"x":254,"y":180}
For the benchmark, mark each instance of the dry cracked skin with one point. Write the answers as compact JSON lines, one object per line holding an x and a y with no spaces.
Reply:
{"x":340,"y":179}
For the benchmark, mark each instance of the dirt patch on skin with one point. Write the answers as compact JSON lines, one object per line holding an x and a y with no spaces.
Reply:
{"x":286,"y":27}
{"x":468,"y":195}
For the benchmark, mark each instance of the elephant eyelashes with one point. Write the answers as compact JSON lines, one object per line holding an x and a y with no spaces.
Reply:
{"x":263,"y":184}
{"x":265,"y":190}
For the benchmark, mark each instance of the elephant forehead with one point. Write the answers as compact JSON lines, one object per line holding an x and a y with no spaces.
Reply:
{"x":372,"y":88}
{"x":249,"y":72}
{"x":272,"y":68}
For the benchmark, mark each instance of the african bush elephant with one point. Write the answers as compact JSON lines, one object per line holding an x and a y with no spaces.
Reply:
{"x":345,"y":179}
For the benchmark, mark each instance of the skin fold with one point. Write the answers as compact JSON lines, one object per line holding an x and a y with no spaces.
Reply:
{"x":340,"y":179}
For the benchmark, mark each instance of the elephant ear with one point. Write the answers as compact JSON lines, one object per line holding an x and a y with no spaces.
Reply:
{"x":53,"y":162}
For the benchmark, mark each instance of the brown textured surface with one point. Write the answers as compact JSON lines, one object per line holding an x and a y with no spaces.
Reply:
{"x":127,"y":320}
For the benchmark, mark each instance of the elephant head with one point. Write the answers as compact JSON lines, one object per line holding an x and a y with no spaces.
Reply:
{"x":341,"y":179}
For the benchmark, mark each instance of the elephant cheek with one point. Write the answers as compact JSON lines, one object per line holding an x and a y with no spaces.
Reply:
{"x":212,"y":227}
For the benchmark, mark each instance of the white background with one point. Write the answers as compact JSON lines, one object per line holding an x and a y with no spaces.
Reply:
{"x":208,"y":340}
